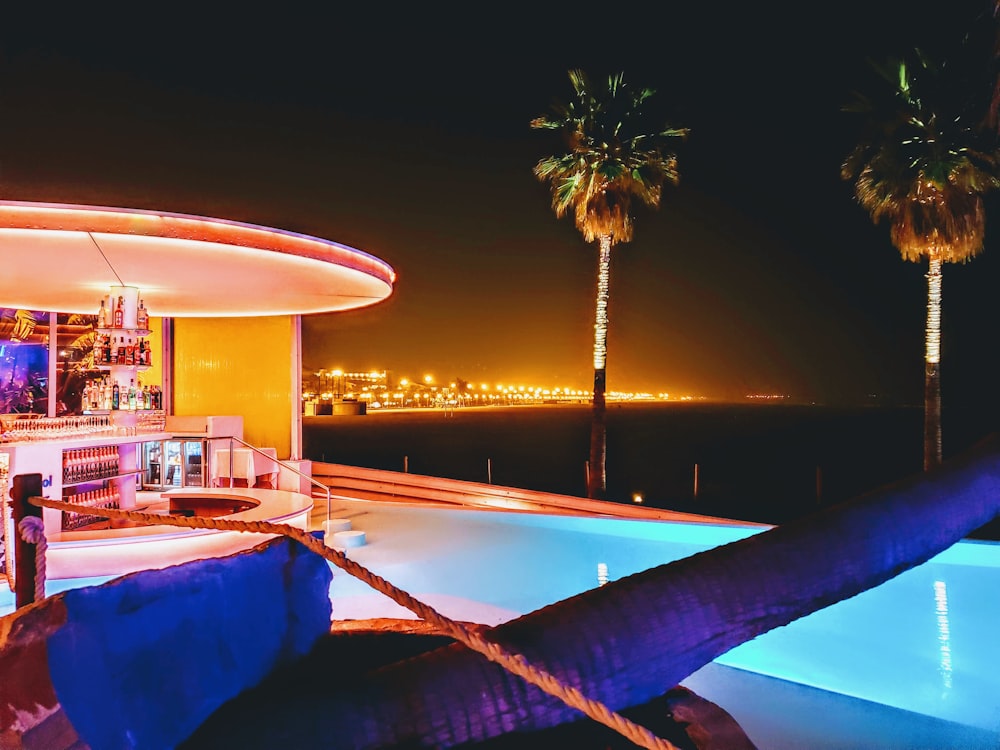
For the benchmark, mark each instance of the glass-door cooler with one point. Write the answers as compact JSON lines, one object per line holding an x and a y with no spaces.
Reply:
{"x":172,"y":463}
{"x":151,"y":464}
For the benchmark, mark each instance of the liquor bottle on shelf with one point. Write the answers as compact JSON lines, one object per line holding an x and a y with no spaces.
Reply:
{"x":130,"y":352}
{"x":120,"y":312}
{"x":142,"y":317}
{"x":131,"y":395}
{"x":120,"y":355}
{"x":115,"y":396}
{"x":102,"y":316}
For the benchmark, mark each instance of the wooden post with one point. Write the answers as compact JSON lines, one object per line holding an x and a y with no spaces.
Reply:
{"x":489,"y":471}
{"x":406,"y":464}
{"x":696,"y":481}
{"x":23,"y":487}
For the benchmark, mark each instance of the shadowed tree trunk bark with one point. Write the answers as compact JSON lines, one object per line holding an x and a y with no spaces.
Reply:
{"x":932,"y":416}
{"x":631,"y":640}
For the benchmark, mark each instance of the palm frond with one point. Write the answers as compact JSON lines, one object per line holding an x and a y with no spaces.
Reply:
{"x":612,"y":156}
{"x":923,"y":162}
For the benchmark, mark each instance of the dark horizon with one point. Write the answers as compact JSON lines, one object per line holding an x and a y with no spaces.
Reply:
{"x":406,"y":135}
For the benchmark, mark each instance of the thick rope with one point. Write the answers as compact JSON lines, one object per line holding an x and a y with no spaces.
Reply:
{"x":514,"y":663}
{"x":33,"y":532}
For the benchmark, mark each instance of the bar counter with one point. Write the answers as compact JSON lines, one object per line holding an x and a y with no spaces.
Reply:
{"x":104,"y":469}
{"x":117,"y":551}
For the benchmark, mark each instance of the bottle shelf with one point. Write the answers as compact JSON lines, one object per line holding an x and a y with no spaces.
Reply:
{"x":102,"y":412}
{"x":80,"y":521}
{"x":105,"y":368}
{"x":121,"y":475}
{"x":124,"y":331}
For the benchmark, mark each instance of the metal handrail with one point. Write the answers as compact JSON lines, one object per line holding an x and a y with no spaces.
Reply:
{"x":233,"y":439}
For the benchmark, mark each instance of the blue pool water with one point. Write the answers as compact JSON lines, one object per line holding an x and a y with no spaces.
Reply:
{"x":925,"y":642}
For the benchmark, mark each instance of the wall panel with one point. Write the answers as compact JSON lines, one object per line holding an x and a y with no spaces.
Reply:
{"x":238,"y":366}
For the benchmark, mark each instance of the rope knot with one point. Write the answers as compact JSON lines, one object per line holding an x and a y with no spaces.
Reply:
{"x":32,"y":529}
{"x":33,"y":532}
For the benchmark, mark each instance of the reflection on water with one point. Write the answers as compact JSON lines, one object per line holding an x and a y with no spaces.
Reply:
{"x":602,"y":573}
{"x":944,"y":631}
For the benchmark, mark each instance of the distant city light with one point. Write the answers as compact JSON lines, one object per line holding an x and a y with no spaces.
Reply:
{"x":382,"y":391}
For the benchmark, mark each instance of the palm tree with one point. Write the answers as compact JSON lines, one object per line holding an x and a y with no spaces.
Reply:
{"x":612,"y":159}
{"x":924,"y":164}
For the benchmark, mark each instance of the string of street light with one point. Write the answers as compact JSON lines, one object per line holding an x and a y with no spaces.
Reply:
{"x":380,"y":390}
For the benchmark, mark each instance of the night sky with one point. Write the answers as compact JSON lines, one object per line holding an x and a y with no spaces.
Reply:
{"x":404,"y":133}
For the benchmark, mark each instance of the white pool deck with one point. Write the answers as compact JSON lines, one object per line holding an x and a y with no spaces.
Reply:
{"x":912,"y":664}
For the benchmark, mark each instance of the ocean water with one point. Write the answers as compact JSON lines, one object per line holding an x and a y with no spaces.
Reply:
{"x":756,"y":462}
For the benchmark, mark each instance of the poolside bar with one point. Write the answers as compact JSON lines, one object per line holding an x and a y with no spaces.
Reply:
{"x":131,"y":355}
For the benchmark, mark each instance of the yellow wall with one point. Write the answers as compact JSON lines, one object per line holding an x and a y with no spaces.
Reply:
{"x":237,"y":366}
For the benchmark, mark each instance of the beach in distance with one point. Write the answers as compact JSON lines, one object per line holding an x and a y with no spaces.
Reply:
{"x":766,"y":462}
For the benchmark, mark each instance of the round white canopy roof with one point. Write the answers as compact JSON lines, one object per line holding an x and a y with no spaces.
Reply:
{"x":64,"y":258}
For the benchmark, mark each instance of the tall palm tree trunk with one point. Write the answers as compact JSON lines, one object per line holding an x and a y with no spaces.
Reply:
{"x":597,"y":474}
{"x":932,"y":368}
{"x":631,"y":640}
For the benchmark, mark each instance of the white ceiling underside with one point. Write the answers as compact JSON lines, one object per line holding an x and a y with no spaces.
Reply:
{"x":70,"y":271}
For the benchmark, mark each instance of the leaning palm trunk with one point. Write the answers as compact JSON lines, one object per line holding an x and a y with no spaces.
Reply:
{"x":597,"y":473}
{"x":633,"y":639}
{"x":932,"y":368}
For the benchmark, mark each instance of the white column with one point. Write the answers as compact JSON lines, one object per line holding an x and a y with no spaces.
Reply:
{"x":296,"y":363}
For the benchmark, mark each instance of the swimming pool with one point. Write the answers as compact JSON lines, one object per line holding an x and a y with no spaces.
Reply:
{"x":924,"y":642}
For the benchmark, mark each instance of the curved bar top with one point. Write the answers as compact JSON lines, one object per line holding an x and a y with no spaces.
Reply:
{"x":100,"y":552}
